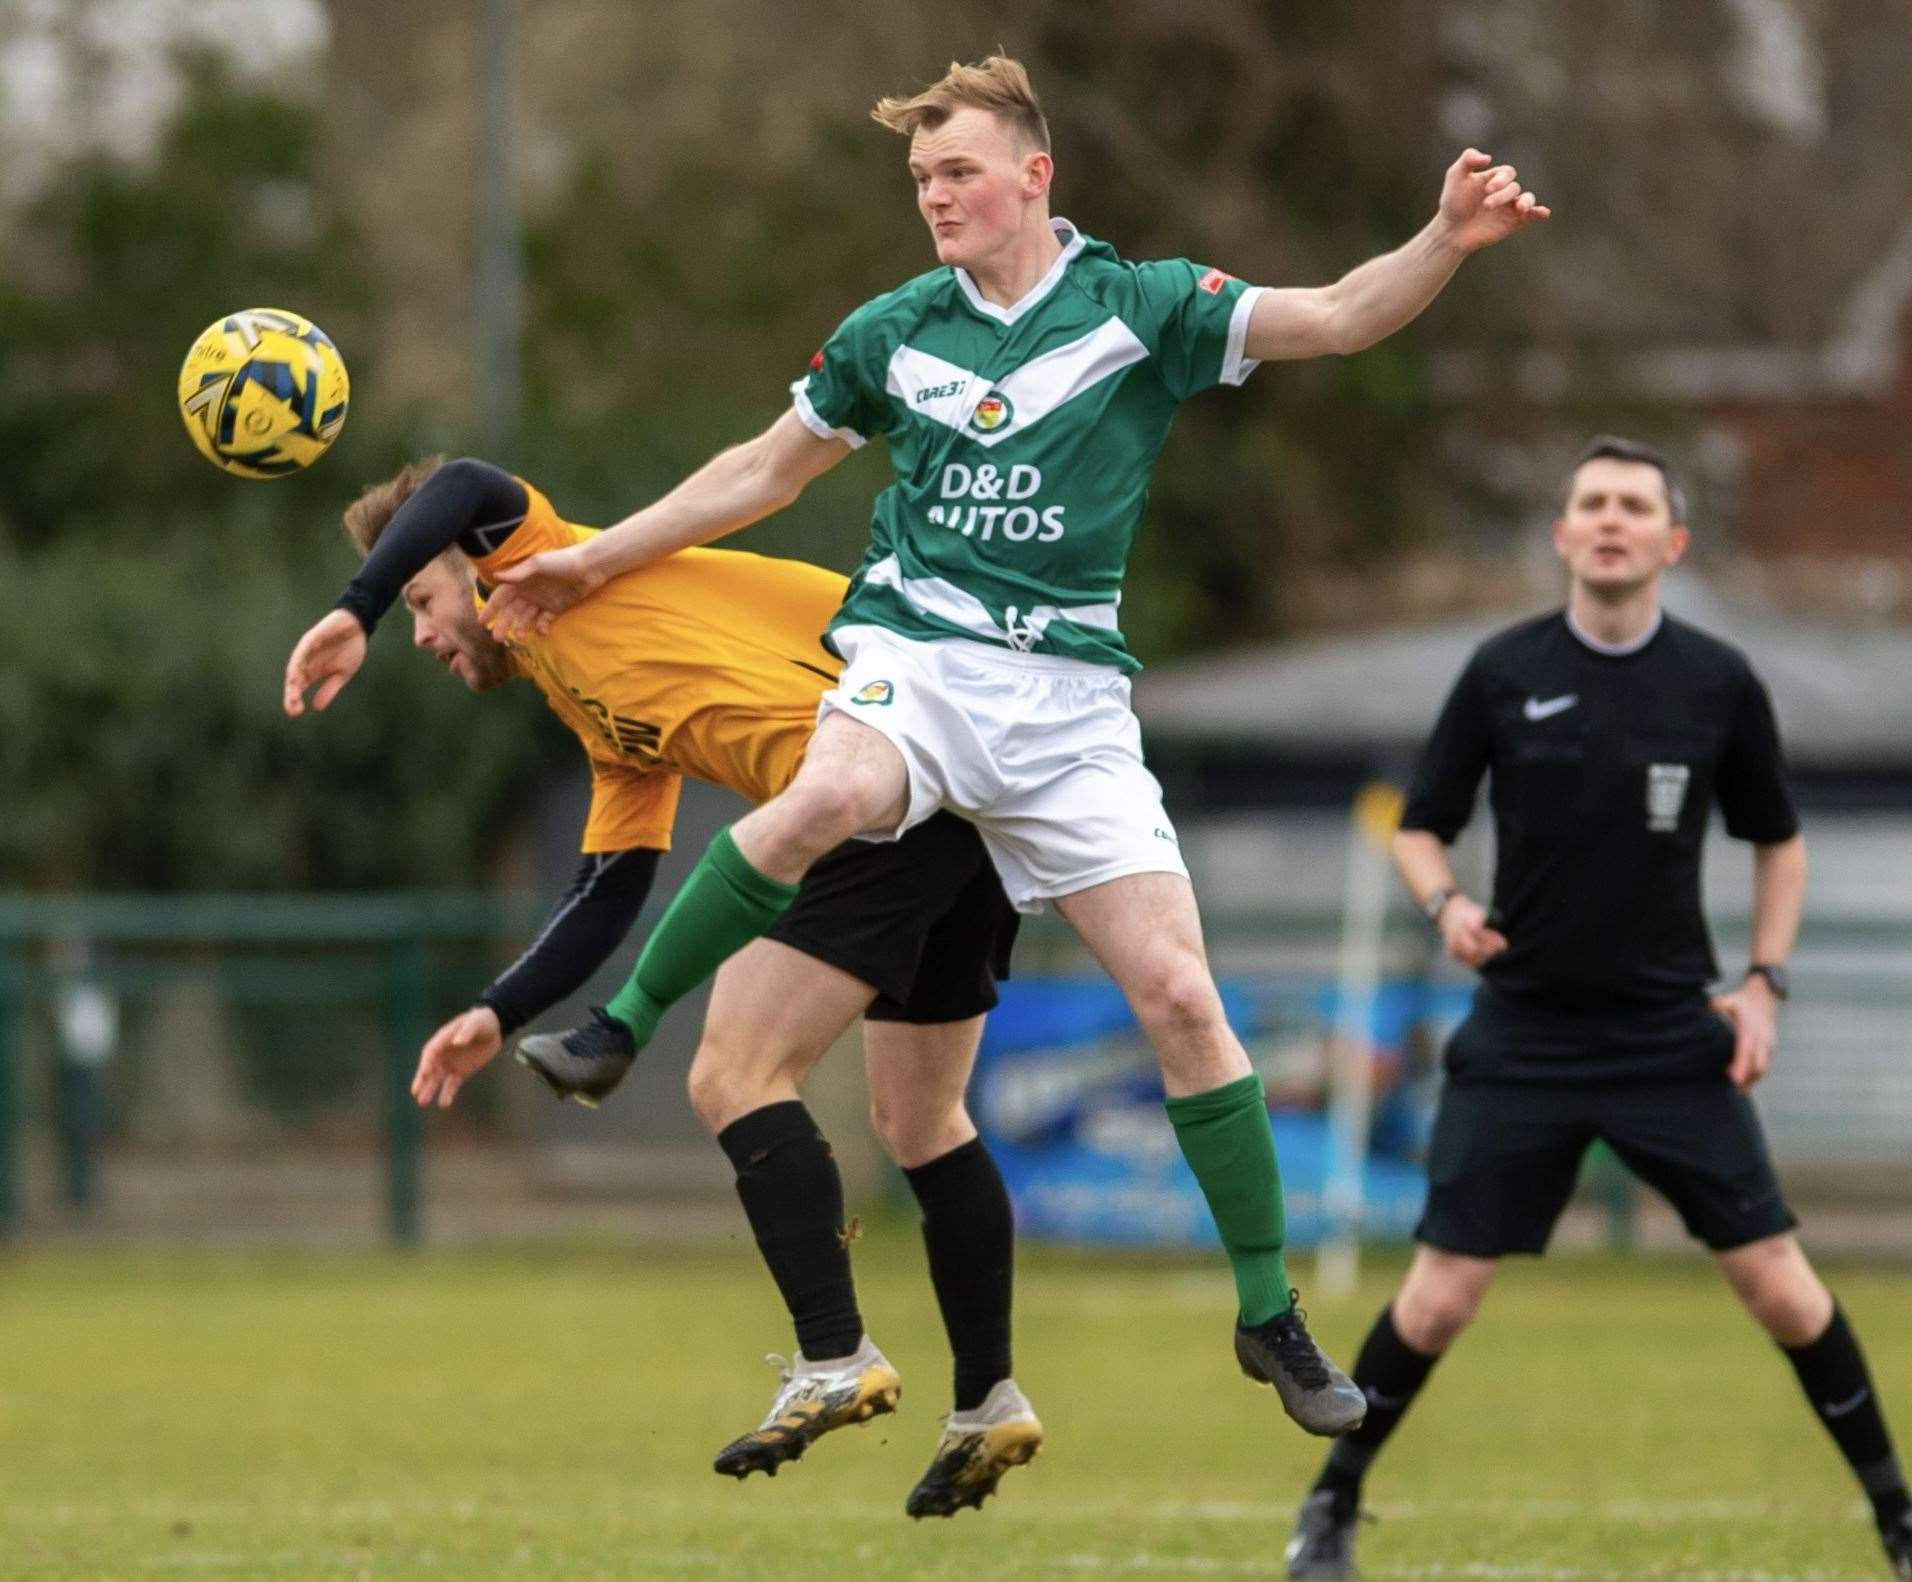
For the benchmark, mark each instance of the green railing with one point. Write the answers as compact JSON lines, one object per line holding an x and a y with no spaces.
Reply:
{"x":384,"y":952}
{"x":377,"y":949}
{"x":12,"y":991}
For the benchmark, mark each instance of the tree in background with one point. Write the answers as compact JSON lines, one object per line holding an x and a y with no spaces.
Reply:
{"x":704,"y":200}
{"x":153,"y":597}
{"x":718,"y":215}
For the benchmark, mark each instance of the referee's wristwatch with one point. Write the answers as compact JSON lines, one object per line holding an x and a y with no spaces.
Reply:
{"x":1775,"y":976}
{"x":1436,"y":903}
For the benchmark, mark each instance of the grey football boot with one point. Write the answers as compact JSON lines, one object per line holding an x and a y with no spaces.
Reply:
{"x":976,"y":1449}
{"x":814,"y":1398}
{"x":1313,"y":1391}
{"x":585,"y":1063}
{"x":1322,"y":1549}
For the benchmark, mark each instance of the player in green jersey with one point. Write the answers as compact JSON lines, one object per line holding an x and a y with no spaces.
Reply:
{"x":1025,"y":387}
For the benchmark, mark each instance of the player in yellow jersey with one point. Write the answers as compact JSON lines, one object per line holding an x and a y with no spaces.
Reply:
{"x":709,"y":664}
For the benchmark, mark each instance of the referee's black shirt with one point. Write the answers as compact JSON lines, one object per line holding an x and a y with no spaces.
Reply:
{"x":1604,"y":770}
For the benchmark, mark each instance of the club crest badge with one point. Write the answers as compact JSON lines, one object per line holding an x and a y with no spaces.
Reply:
{"x":874,"y":692}
{"x":992,"y":412}
{"x":1666,"y":796}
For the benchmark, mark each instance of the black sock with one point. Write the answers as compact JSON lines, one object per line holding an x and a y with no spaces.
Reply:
{"x":971,"y":1239}
{"x":793,"y":1196}
{"x":1832,"y":1372}
{"x":1390,"y":1373}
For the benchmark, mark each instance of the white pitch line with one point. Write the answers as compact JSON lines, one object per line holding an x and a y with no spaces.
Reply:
{"x":1141,"y":1562}
{"x":252,"y":1564}
{"x":1253,"y":1512}
{"x":1133,"y":1563}
{"x":1631,"y":1511}
{"x":1490,"y":1571}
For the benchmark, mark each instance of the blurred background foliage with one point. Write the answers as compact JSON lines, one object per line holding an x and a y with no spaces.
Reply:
{"x":700,"y":205}
{"x":156,"y":598}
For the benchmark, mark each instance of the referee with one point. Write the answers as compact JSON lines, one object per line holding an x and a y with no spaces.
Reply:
{"x":1608,"y":732}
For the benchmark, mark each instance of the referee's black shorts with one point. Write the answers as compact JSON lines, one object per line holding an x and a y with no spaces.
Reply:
{"x":1506,"y":1154}
{"x":922,"y":920}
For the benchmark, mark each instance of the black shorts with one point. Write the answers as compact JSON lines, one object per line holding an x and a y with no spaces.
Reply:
{"x":1505,"y":1157}
{"x":922,"y":920}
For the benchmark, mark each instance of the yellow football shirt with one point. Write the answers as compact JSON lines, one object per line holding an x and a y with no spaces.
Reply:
{"x":708,"y":663}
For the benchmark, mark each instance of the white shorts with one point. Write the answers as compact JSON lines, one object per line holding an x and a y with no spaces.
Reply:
{"x":1042,"y":754}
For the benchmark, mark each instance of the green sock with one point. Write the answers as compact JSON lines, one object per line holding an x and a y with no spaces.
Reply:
{"x":720,"y":908}
{"x":1228,"y":1143}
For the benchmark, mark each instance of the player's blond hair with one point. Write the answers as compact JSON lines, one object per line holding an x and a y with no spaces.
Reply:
{"x":997,"y":84}
{"x":367,"y":517}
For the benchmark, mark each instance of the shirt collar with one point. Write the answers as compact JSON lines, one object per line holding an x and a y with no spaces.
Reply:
{"x":1616,"y":650}
{"x":1072,"y":243}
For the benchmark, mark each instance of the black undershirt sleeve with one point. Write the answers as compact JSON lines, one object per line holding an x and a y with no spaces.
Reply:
{"x":588,"y":923}
{"x":1752,"y":793}
{"x":467,"y":502}
{"x":1441,"y":798}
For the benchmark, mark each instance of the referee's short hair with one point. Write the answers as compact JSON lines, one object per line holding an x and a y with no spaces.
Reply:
{"x":1613,"y":447}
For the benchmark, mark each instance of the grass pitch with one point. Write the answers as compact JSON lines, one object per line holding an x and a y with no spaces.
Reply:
{"x":552,"y":1415}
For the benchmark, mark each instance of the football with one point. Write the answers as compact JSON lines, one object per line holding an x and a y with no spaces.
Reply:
{"x":263,"y":392}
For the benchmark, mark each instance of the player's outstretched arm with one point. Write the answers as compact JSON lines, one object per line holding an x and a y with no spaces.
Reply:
{"x":327,"y":657}
{"x":1481,"y":203}
{"x":587,"y":924}
{"x":733,"y":489}
{"x":461,"y":497}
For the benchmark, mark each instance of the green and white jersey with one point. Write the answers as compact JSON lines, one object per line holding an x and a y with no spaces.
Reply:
{"x":1023,"y":439}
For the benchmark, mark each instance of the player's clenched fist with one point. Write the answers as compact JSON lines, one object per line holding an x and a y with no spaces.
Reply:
{"x":1483,"y":203}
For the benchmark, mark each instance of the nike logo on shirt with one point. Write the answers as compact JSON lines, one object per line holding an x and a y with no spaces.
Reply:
{"x":1534,"y":709}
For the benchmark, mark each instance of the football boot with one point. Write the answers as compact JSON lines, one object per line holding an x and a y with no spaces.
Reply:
{"x":1322,"y":1549}
{"x":1313,"y":1391}
{"x":583,"y":1064}
{"x":814,"y":1398}
{"x":976,"y":1449}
